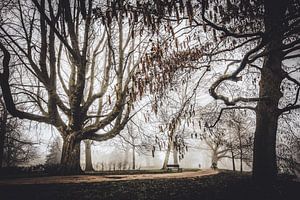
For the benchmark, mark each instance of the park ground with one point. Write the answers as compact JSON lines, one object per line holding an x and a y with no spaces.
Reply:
{"x":189,"y":184}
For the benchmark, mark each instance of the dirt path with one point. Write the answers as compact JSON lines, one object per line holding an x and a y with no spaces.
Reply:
{"x":103,"y":178}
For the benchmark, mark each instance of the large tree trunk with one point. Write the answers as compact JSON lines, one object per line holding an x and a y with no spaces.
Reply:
{"x":267,"y":113}
{"x":70,"y":159}
{"x":264,"y":157}
{"x":88,"y":156}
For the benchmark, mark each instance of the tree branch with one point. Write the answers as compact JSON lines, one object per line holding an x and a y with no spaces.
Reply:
{"x":9,"y":102}
{"x":230,"y":108}
{"x":233,"y":77}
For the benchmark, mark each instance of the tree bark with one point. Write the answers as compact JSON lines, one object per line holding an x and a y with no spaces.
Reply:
{"x":70,"y":159}
{"x":88,"y":156}
{"x":267,"y":112}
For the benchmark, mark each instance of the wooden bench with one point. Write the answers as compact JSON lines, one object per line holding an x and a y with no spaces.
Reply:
{"x":173,"y":166}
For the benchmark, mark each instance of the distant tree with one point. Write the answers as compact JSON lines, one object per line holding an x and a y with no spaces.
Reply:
{"x":216,"y":140}
{"x":88,"y":155}
{"x":241,"y":129}
{"x":288,"y":145}
{"x":15,"y":147}
{"x":232,"y":135}
{"x":55,"y":149}
{"x":134,"y":139}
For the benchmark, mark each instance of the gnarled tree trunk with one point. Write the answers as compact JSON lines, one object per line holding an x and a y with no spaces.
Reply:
{"x":70,"y":158}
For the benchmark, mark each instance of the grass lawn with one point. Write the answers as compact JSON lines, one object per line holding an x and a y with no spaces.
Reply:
{"x":221,"y":186}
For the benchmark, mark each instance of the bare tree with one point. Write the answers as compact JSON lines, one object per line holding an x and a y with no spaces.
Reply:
{"x":54,"y":155}
{"x":216,"y":142}
{"x":288,"y":144}
{"x":15,"y":147}
{"x":276,"y":40}
{"x":135,"y":138}
{"x":75,"y":69}
{"x":242,"y":128}
{"x":266,"y":35}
